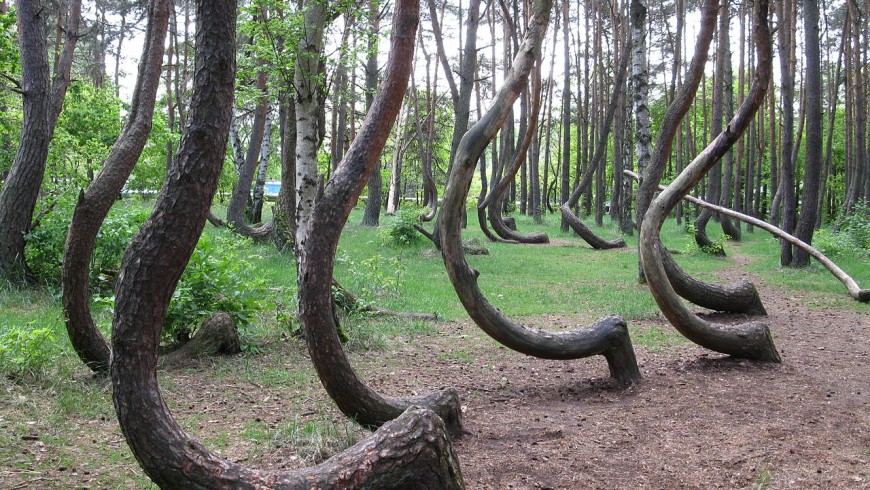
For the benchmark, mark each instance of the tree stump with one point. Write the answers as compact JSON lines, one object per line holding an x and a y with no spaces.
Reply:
{"x":217,"y":335}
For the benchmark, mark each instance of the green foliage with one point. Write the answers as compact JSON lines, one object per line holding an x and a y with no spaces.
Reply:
{"x":373,"y":277}
{"x":717,"y":248}
{"x":86,"y":130}
{"x":45,"y":243}
{"x":853,"y":238}
{"x":26,"y":351}
{"x":399,"y":231}
{"x":150,"y":170}
{"x":219,"y":277}
{"x":10,"y":102}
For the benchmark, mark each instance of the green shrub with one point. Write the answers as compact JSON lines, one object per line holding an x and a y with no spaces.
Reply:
{"x":374,"y":277}
{"x":219,"y":277}
{"x":400,"y":231}
{"x":26,"y":351}
{"x":853,"y":237}
{"x":857,"y":226}
{"x":45,"y":243}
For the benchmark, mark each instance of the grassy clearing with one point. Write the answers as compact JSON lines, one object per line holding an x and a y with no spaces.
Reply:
{"x":50,"y":405}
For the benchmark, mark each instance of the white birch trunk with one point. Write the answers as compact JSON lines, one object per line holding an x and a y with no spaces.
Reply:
{"x":307,"y":107}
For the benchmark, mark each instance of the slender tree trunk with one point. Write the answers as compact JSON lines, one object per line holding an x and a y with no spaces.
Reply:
{"x":372,"y":213}
{"x":242,"y":191}
{"x":566,"y":115}
{"x":308,"y":114}
{"x":95,"y":202}
{"x":43,"y":100}
{"x":787,"y":177}
{"x":255,"y":210}
{"x":813,"y":156}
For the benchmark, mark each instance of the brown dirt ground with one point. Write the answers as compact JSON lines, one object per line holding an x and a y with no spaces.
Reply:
{"x":697,"y":420}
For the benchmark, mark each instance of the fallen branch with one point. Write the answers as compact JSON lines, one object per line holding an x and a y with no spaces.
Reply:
{"x":348,"y":301}
{"x":855,"y":291}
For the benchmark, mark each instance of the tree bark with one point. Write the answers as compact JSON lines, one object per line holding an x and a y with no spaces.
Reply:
{"x":813,"y":157}
{"x":675,"y":113}
{"x":317,"y":257}
{"x":787,"y":82}
{"x":42,"y":102}
{"x":852,"y":287}
{"x":217,"y":335}
{"x":494,"y":200}
{"x":752,"y":340}
{"x":372,"y":213}
{"x":410,"y":452}
{"x":95,"y":202}
{"x":242,"y":191}
{"x":285,"y":204}
{"x":596,"y":163}
{"x":714,"y":178}
{"x":609,"y":336}
{"x":255,"y":210}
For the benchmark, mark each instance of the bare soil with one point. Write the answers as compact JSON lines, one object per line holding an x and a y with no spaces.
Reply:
{"x":697,"y":420}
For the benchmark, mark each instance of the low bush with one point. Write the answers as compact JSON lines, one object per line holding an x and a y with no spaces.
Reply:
{"x":400,"y":231}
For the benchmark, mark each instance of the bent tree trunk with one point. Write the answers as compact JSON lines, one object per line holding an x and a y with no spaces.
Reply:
{"x":494,"y":202}
{"x":852,"y":287}
{"x":573,"y":221}
{"x":737,"y":297}
{"x":95,"y":202}
{"x":652,"y":174}
{"x":317,"y":257}
{"x":751,"y":340}
{"x":412,"y":451}
{"x":608,"y":337}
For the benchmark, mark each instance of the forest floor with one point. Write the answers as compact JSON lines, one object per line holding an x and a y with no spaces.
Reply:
{"x":696,"y":420}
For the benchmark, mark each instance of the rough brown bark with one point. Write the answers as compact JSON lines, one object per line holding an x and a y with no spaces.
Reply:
{"x":217,"y":335}
{"x":285,"y":204}
{"x":42,"y":103}
{"x":813,"y":161}
{"x":317,"y":257}
{"x":410,"y":452}
{"x":751,"y":340}
{"x":372,"y":213}
{"x":608,"y":337}
{"x":95,"y":202}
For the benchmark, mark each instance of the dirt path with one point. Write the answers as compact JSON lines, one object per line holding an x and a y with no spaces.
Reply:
{"x":697,"y":420}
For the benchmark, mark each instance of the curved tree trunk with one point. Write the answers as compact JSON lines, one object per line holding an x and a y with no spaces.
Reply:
{"x":652,"y":175}
{"x":95,"y":202}
{"x":413,"y":451}
{"x":737,"y":297}
{"x":574,"y":222}
{"x":608,"y":337}
{"x":495,"y":200}
{"x":317,"y":257}
{"x":751,"y":340}
{"x":852,"y":287}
